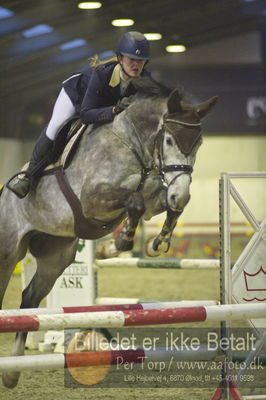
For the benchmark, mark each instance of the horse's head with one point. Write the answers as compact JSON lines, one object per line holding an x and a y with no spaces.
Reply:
{"x":177,"y":144}
{"x":177,"y":140}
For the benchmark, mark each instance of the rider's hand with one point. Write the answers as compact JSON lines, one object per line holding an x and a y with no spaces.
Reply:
{"x":122,"y":104}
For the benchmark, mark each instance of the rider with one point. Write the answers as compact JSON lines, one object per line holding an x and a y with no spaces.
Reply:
{"x":96,"y":94}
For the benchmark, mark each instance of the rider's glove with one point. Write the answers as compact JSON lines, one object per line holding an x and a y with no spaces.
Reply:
{"x":122,"y":104}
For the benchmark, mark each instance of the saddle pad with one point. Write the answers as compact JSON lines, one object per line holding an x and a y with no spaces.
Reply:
{"x":68,"y":152}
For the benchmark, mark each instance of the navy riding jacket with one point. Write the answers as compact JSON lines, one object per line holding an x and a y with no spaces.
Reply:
{"x":95,"y":91}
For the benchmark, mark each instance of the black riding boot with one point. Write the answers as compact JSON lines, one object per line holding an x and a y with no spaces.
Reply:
{"x":41,"y":157}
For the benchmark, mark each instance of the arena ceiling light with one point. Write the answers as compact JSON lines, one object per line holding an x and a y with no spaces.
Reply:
{"x":123,"y":22}
{"x":5,"y":13}
{"x":37,"y":30}
{"x":176,"y":48}
{"x":73,"y":44}
{"x":153,"y":36}
{"x":106,"y":54}
{"x":89,"y":5}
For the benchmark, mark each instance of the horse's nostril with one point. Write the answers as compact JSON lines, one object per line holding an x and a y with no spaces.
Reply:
{"x":173,"y":197}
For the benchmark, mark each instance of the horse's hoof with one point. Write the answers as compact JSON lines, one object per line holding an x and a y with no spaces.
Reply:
{"x":124,"y":245}
{"x":150,"y":249}
{"x":10,"y":380}
{"x":154,"y":247}
{"x":164,"y":247}
{"x":106,"y":249}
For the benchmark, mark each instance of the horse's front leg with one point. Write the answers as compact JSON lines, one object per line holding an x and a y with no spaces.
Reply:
{"x":135,"y":209}
{"x":161,"y":243}
{"x":105,"y":201}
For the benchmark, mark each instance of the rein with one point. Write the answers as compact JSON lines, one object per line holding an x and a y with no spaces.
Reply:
{"x":145,"y":171}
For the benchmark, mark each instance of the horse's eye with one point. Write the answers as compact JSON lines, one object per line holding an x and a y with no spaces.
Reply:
{"x":169,"y":141}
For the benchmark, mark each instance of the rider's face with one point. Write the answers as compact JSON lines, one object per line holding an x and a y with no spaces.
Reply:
{"x":132,"y":66}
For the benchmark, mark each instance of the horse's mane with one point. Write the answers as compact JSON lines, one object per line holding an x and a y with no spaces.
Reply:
{"x":149,"y":104}
{"x":146,"y":86}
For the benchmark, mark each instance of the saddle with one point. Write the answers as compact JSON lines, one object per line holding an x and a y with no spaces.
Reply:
{"x":66,"y":144}
{"x":65,"y":147}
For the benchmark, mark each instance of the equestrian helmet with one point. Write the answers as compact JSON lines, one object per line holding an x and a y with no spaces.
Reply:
{"x":134,"y":45}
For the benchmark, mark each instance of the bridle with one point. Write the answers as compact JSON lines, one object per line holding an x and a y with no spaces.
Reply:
{"x":182,"y":168}
{"x":161,"y":168}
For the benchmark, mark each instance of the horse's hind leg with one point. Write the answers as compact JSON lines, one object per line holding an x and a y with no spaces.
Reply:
{"x":5,"y":275}
{"x":6,"y":270}
{"x":53,"y":255}
{"x":9,"y":256}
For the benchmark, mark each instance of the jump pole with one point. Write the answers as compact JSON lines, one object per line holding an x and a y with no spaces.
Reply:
{"x":117,"y":319}
{"x":96,"y":358}
{"x":113,"y":307}
{"x":135,"y":262}
{"x":164,"y":263}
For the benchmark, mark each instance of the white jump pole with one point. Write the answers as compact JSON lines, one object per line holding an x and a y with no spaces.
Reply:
{"x":165,"y":263}
{"x":92,"y":358}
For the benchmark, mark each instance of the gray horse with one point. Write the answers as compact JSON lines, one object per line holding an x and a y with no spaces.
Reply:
{"x":137,"y":166}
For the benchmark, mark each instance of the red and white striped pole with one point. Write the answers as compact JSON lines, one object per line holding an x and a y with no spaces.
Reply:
{"x":117,"y":319}
{"x":114,"y":307}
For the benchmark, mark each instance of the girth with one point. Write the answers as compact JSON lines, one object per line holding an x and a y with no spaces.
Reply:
{"x":85,"y":228}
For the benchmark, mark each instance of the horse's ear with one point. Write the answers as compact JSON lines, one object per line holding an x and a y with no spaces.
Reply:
{"x":203,"y":108}
{"x":173,"y":102}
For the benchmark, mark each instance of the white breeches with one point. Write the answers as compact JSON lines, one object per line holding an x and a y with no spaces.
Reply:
{"x":63,"y":110}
